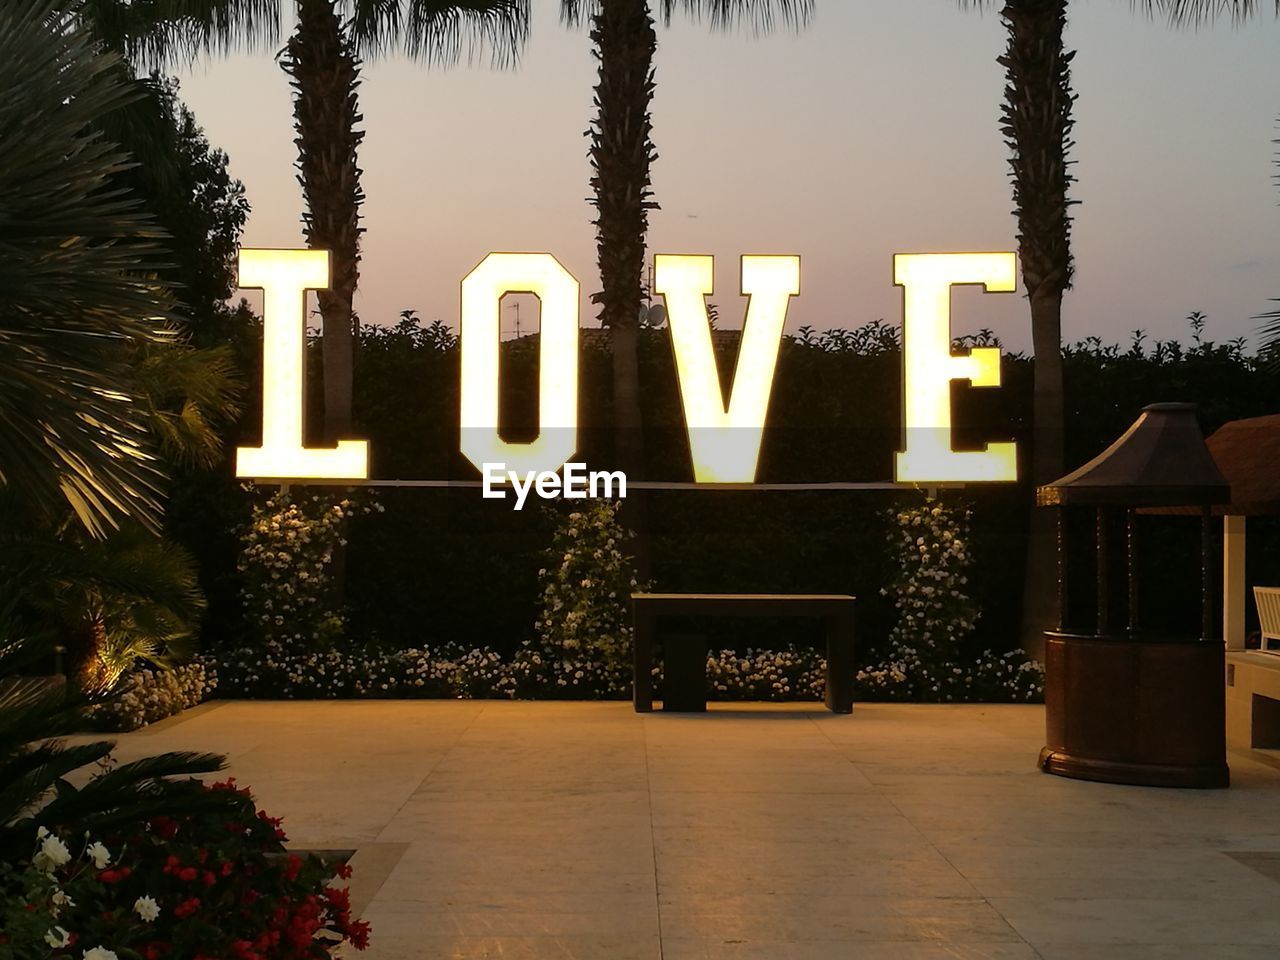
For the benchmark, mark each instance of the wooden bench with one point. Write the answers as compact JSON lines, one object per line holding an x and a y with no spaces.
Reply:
{"x":835,"y":610}
{"x":1268,"y":601}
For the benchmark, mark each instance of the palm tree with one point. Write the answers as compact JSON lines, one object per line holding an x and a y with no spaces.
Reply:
{"x":37,"y":767}
{"x":1036,"y":120}
{"x":624,"y":42}
{"x":77,"y":293}
{"x":322,"y":58}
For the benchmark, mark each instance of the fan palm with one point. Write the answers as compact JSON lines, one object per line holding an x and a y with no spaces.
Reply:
{"x":322,"y":58}
{"x":624,"y":42}
{"x":77,"y":287}
{"x":36,"y":767}
{"x":109,"y":602}
{"x":1036,"y":120}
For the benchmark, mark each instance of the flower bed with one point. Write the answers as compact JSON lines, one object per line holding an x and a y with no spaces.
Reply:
{"x":151,"y":695}
{"x":213,"y":885}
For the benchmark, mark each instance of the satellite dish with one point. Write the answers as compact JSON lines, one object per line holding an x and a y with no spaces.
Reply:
{"x":654,"y":316}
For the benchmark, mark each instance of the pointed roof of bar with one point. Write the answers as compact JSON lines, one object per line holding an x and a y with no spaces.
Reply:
{"x":1161,"y":460}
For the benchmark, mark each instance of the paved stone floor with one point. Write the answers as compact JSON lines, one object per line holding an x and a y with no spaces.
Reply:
{"x":527,"y":831}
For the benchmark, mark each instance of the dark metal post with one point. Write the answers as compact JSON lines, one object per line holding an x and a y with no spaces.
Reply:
{"x":1131,"y":565}
{"x":1206,"y":580}
{"x":642,"y":653}
{"x":1062,"y":568}
{"x":1104,"y":619}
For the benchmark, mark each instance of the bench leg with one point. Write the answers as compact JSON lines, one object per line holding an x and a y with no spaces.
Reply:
{"x":840,"y":668}
{"x":642,"y":664}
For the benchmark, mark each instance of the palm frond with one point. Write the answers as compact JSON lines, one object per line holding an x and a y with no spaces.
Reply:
{"x":441,"y":31}
{"x":1196,"y":12}
{"x":34,"y":770}
{"x":77,"y":262}
{"x":760,"y":16}
{"x":167,"y":33}
{"x":190,"y":394}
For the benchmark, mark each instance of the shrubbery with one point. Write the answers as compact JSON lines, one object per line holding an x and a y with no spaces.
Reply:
{"x":935,"y":614}
{"x":286,"y":567}
{"x":151,"y":695}
{"x":192,"y":886}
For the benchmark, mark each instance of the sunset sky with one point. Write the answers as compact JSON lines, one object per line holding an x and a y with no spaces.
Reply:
{"x":873,"y":132}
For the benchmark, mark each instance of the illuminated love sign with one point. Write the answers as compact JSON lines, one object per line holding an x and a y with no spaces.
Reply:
{"x":724,"y":438}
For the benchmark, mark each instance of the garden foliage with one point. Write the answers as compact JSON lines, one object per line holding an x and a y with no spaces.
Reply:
{"x":147,"y":695}
{"x":935,"y":615}
{"x":287,"y":568}
{"x":188,"y":886}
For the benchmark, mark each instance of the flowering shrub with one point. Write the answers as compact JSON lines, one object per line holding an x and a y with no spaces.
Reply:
{"x":935,"y":613}
{"x":275,"y":671}
{"x":184,"y":887}
{"x":582,"y":645}
{"x":152,"y":695}
{"x":289,"y":545}
{"x":787,"y":674}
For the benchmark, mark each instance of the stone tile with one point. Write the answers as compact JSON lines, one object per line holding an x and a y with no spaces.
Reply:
{"x":713,"y":949}
{"x":792,"y":919}
{"x":526,"y":831}
{"x":1159,"y":951}
{"x":442,"y":947}
{"x":1180,"y":923}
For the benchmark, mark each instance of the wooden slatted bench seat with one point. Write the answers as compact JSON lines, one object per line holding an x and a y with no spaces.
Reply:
{"x":835,"y":610}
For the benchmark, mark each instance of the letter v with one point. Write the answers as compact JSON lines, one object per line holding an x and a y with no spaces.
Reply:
{"x":725,"y":443}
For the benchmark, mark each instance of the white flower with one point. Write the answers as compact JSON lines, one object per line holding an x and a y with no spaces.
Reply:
{"x":98,"y":854}
{"x":100,"y":953}
{"x":60,"y":899}
{"x":146,"y":908}
{"x":57,"y":938}
{"x":53,"y":854}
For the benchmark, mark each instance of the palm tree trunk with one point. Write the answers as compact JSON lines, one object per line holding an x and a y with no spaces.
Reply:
{"x":1037,"y":124}
{"x":325,"y":73}
{"x":85,"y":640}
{"x":624,"y":39}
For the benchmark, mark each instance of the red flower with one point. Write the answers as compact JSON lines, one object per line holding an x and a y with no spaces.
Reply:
{"x":338,"y":898}
{"x":115,"y":875}
{"x":344,"y":870}
{"x":155,"y":949}
{"x":292,"y":867}
{"x":209,"y":879}
{"x":166,"y":827}
{"x":186,"y":908}
{"x":275,"y":823}
{"x":358,"y":934}
{"x":172,"y":864}
{"x":187,"y":874}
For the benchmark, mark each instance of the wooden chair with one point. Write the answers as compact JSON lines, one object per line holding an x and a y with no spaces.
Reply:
{"x":1268,"y":601}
